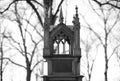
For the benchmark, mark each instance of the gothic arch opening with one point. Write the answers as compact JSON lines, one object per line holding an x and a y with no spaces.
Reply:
{"x":61,"y":44}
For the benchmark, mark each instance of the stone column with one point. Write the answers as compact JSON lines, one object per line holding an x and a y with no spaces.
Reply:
{"x":46,"y":49}
{"x":77,"y":50}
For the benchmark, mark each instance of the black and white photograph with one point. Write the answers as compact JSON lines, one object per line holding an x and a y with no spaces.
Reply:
{"x":59,"y":40}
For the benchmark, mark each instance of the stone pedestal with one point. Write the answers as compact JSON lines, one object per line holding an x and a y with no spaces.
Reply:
{"x":62,"y":78}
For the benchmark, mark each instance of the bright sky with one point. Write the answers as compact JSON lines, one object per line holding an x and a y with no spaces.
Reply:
{"x":92,"y":18}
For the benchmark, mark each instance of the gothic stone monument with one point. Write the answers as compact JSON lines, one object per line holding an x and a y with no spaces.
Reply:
{"x":62,"y":50}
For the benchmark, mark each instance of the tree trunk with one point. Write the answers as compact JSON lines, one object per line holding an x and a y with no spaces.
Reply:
{"x":1,"y":72}
{"x":28,"y":78}
{"x":89,"y":77}
{"x":106,"y":63}
{"x":105,"y":73}
{"x":106,"y":70}
{"x":1,"y":66}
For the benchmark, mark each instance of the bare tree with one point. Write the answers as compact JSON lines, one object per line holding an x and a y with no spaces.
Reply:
{"x":109,"y":25}
{"x":26,"y":49}
{"x":115,"y":4}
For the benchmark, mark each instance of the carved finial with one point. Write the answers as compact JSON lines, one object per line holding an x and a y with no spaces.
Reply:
{"x":76,"y":18}
{"x":61,"y":16}
{"x":76,"y":11}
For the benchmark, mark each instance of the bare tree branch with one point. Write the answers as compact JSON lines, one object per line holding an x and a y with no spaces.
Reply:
{"x":37,"y":64}
{"x":19,"y":50}
{"x":115,"y":22}
{"x":8,"y":7}
{"x":108,"y":3}
{"x":14,"y":62}
{"x":35,"y":46}
{"x":38,"y":3}
{"x":34,"y":28}
{"x":5,"y":66}
{"x":90,"y":28}
{"x":37,"y":13}
{"x":113,"y":51}
{"x":58,"y":7}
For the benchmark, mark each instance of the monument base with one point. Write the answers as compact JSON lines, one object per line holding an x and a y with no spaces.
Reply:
{"x":62,"y":78}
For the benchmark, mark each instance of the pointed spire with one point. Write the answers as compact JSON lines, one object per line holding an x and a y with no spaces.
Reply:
{"x":76,"y":12}
{"x":61,"y":16}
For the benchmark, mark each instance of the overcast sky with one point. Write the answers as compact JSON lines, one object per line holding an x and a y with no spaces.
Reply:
{"x":85,"y":10}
